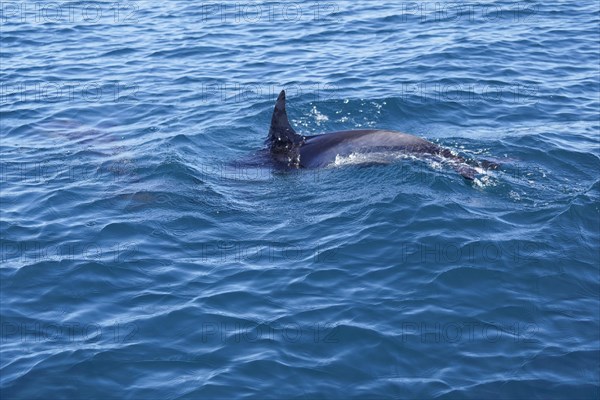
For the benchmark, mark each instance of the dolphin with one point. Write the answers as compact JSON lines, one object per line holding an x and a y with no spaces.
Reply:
{"x":292,"y":150}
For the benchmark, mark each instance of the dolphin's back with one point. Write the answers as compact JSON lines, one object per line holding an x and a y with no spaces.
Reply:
{"x":322,"y":150}
{"x":287,"y":148}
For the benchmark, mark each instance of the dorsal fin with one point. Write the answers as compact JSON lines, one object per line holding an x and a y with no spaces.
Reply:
{"x":281,"y":132}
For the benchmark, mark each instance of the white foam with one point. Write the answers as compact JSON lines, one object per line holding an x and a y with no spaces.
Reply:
{"x":318,"y":116}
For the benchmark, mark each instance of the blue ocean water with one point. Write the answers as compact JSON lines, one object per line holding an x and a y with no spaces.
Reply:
{"x":144,"y":257}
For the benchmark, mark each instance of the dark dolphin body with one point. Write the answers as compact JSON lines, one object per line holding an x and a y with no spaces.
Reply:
{"x":297,"y":151}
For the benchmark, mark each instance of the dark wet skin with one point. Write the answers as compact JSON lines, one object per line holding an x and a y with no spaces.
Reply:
{"x":297,"y":151}
{"x":322,"y":150}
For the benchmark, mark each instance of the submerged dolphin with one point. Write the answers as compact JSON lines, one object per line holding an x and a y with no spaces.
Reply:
{"x":297,"y":151}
